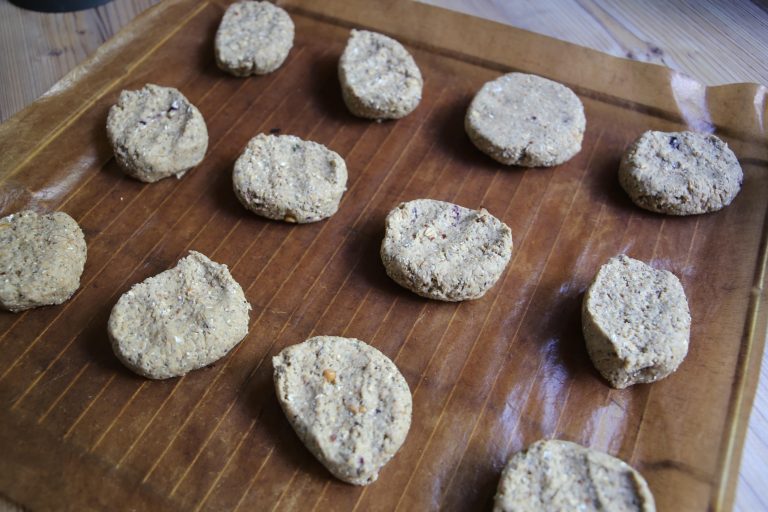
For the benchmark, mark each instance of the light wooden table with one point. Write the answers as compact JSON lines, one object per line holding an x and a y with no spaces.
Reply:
{"x":715,"y":42}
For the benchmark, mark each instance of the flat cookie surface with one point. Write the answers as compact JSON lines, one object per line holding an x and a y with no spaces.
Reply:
{"x":348,"y":403}
{"x":182,"y":319}
{"x":526,"y":120}
{"x":156,"y":132}
{"x":286,"y":178}
{"x":254,"y":38}
{"x":41,"y":259}
{"x":379,"y":78}
{"x":636,"y":322}
{"x":680,"y":173}
{"x":444,"y":251}
{"x":561,"y":476}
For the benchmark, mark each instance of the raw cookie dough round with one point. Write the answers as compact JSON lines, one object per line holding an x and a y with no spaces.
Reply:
{"x":254,"y":38}
{"x":41,"y":259}
{"x":180,"y":320}
{"x":636,"y":322}
{"x":379,"y":78}
{"x":564,"y":476}
{"x":680,"y":173}
{"x":348,"y":403}
{"x":527,"y":120}
{"x":286,"y":178}
{"x":156,"y":132}
{"x":444,"y":251}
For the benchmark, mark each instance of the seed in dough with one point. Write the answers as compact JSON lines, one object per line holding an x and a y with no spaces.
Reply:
{"x":379,"y":78}
{"x":347,"y":402}
{"x":636,"y":322}
{"x":286,"y":178}
{"x":41,"y":259}
{"x":156,"y":132}
{"x":564,"y":476}
{"x":680,"y":173}
{"x":526,"y":120}
{"x":254,"y":38}
{"x":180,"y":320}
{"x":444,"y":251}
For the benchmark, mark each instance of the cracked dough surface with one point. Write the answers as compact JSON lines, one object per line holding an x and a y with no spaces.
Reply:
{"x":347,"y":402}
{"x":41,"y":259}
{"x":561,"y":476}
{"x":180,"y":320}
{"x":444,"y":251}
{"x":526,"y":120}
{"x":379,"y":78}
{"x":680,"y":173}
{"x":286,"y":178}
{"x":156,"y":132}
{"x":254,"y":38}
{"x":636,"y":322}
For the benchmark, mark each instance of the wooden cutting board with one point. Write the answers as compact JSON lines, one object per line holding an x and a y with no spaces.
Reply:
{"x":79,"y":431}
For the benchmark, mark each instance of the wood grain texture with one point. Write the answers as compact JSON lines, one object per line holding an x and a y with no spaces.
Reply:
{"x":242,"y":436}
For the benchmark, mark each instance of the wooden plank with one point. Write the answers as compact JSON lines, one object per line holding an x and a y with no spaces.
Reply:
{"x":488,"y":377}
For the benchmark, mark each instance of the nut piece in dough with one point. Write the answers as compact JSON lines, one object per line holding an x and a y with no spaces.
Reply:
{"x":286,"y":178}
{"x":680,"y":173}
{"x":41,"y":259}
{"x":347,"y":402}
{"x":254,"y":38}
{"x":379,"y":78}
{"x":180,"y":320}
{"x":564,"y":476}
{"x":526,"y":120}
{"x":156,"y":132}
{"x":636,"y":322}
{"x":444,"y":251}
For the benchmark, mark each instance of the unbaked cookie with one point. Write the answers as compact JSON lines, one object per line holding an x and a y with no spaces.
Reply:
{"x":680,"y":173}
{"x":182,"y":319}
{"x":156,"y":132}
{"x":527,"y":120}
{"x":444,"y":251}
{"x":286,"y":178}
{"x":254,"y":38}
{"x":564,"y":476}
{"x":41,"y":259}
{"x":379,"y":78}
{"x":636,"y":322}
{"x":348,"y":403}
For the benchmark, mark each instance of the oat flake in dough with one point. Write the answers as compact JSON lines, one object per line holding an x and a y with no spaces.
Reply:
{"x":180,"y":320}
{"x":444,"y":251}
{"x":347,"y":402}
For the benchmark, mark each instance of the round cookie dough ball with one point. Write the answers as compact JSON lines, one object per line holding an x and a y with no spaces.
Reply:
{"x":156,"y":132}
{"x":680,"y":173}
{"x":347,"y":402}
{"x":636,"y":322}
{"x":286,"y":178}
{"x":564,"y":476}
{"x":444,"y":251}
{"x":254,"y":38}
{"x":379,"y":78}
{"x":180,"y":320}
{"x":526,"y":120}
{"x":41,"y":259}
